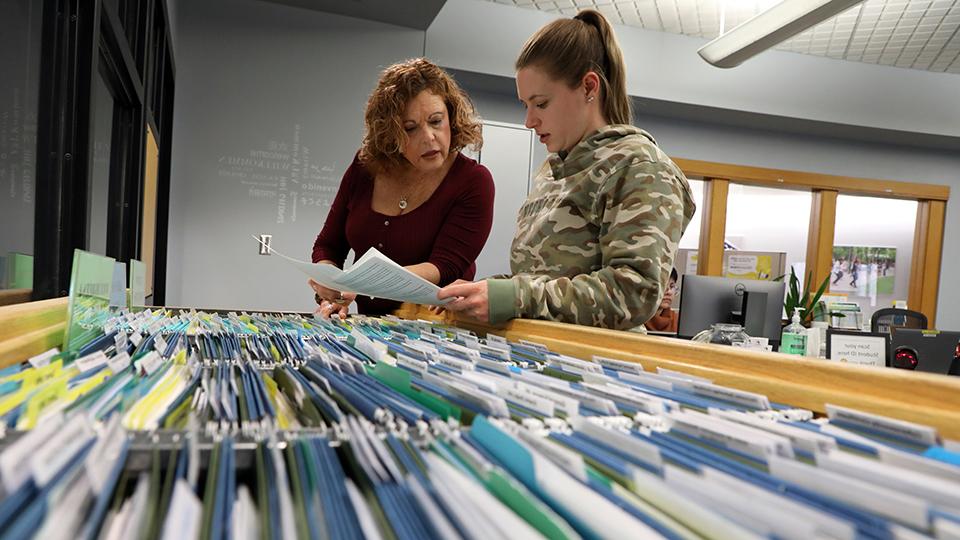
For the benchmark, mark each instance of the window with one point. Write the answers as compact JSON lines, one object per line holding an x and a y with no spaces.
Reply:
{"x":768,"y":221}
{"x":91,"y":110}
{"x":873,"y":249}
{"x":99,"y":188}
{"x":691,"y":237}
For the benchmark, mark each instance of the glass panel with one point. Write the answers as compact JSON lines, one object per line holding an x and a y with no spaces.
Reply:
{"x":157,"y":50}
{"x":767,"y":221}
{"x":131,"y":15}
{"x":20,"y":48}
{"x":99,"y":193}
{"x":873,"y":249}
{"x":691,"y":237}
{"x":127,"y":12}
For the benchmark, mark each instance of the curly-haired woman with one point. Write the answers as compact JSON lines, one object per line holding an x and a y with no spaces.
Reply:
{"x":409,"y":192}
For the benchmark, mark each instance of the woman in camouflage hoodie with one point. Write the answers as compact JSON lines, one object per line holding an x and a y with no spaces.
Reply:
{"x":598,"y":232}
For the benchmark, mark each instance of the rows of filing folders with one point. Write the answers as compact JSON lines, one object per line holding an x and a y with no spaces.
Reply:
{"x":197,"y":425}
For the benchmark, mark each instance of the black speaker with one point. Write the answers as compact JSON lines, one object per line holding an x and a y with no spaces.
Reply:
{"x":955,"y":365}
{"x":754,"y":311}
{"x":905,"y":358}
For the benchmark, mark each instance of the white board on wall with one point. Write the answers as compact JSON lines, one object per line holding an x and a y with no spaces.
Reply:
{"x":507,"y":152}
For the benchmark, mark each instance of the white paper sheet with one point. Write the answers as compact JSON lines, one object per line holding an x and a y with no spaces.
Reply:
{"x":185,"y":515}
{"x":373,"y":275}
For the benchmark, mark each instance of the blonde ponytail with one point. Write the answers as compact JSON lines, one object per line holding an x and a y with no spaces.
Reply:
{"x":569,"y":48}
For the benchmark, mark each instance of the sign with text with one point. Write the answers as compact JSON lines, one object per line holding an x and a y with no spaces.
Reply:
{"x":861,"y":348}
{"x":752,"y":266}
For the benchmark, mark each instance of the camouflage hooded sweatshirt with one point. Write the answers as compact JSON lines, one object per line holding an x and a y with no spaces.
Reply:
{"x":597,"y":234}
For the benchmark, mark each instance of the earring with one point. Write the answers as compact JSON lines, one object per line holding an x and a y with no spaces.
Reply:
{"x":590,"y":98}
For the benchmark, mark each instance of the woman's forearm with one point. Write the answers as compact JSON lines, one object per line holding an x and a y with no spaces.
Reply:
{"x":427,"y":271}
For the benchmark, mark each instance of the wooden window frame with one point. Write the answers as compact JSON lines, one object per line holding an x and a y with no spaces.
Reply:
{"x":924,"y":283}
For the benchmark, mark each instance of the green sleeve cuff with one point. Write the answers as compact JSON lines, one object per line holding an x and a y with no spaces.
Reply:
{"x":501,"y":300}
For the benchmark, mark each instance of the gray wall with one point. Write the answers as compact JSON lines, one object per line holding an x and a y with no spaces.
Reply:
{"x":269,"y":113}
{"x":20,"y":22}
{"x":507,"y":109}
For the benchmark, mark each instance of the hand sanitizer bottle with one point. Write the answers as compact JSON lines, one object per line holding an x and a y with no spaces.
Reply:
{"x":794,"y":337}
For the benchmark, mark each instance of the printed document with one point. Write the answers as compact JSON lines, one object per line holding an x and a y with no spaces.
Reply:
{"x":373,"y":275}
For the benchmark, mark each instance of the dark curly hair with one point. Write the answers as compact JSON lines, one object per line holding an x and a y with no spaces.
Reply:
{"x":384,"y":134}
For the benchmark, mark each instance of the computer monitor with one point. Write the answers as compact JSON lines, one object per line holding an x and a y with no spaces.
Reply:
{"x":707,"y":300}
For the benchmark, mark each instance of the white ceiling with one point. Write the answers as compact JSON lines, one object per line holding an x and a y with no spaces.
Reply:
{"x":917,"y":34}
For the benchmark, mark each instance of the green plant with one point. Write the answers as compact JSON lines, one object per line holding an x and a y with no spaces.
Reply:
{"x":810,"y":306}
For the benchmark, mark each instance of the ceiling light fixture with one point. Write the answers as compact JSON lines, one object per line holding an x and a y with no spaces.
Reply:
{"x":768,"y":28}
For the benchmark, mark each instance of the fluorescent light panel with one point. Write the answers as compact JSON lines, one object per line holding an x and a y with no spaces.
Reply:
{"x":768,"y":28}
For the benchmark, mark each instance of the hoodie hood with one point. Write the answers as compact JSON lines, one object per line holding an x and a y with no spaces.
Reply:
{"x":600,"y":145}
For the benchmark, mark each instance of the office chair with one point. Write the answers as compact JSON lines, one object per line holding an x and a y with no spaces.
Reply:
{"x":885,"y":319}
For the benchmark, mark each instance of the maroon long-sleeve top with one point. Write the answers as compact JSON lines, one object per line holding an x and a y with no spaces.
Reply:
{"x":448,"y":230}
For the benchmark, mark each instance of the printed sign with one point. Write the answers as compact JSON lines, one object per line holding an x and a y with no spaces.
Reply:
{"x":861,"y":348}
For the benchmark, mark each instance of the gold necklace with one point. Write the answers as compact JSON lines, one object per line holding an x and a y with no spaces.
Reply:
{"x":418,"y":187}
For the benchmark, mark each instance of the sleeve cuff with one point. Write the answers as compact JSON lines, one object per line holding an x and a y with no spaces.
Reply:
{"x":447,"y":274}
{"x":501,"y":300}
{"x":325,"y":255}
